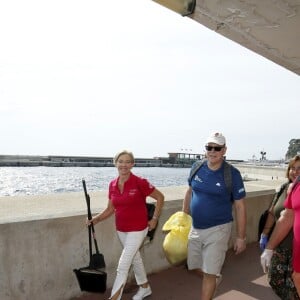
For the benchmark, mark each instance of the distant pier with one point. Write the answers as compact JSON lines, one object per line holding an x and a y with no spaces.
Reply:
{"x":174,"y":160}
{"x":83,"y":161}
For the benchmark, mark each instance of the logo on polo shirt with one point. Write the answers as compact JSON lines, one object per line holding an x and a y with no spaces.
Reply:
{"x":132,"y":192}
{"x":198,"y":178}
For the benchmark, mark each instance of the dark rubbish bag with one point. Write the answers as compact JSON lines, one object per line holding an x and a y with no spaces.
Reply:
{"x":150,"y":211}
{"x":92,"y":278}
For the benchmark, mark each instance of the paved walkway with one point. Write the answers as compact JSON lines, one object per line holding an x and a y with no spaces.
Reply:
{"x":243,"y":279}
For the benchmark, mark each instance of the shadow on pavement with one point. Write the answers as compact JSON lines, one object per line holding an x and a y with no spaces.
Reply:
{"x":243,"y":279}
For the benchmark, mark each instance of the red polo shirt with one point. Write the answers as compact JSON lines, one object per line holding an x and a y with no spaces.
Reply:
{"x":293,"y":202}
{"x":130,"y":208}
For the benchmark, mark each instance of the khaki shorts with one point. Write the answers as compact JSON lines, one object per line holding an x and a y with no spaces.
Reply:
{"x":207,"y":248}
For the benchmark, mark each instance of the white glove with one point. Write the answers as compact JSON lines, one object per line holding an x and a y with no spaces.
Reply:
{"x":265,"y":259}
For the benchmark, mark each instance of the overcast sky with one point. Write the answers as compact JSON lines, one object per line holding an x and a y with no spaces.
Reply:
{"x":95,"y":77}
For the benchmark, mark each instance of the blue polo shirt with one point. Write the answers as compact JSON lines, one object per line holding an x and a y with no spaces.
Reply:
{"x":211,"y":203}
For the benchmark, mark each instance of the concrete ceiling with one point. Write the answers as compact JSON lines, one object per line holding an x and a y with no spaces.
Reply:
{"x":270,"y":28}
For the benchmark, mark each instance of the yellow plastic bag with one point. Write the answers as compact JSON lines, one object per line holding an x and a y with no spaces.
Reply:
{"x":176,"y":241}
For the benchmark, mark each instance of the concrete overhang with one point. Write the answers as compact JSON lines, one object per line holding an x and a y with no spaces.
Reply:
{"x":270,"y":28}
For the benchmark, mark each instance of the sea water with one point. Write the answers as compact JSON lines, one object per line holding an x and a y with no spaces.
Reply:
{"x":17,"y":181}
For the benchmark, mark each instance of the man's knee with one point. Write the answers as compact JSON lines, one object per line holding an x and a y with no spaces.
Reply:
{"x":197,"y":272}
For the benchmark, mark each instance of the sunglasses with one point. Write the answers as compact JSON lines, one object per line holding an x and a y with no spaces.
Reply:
{"x":216,"y":148}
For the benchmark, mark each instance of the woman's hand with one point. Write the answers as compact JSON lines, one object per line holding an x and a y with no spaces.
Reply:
{"x":263,"y":241}
{"x":152,"y":224}
{"x":108,"y":211}
{"x":90,"y":222}
{"x":265,"y":259}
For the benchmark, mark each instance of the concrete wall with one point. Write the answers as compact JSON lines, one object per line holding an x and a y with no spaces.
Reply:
{"x":43,"y":238}
{"x":261,"y":172}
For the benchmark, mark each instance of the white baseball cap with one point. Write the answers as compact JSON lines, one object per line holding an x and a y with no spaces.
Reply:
{"x":216,"y":138}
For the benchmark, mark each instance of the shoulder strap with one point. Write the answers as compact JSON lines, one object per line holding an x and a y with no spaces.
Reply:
{"x":278,"y":194}
{"x":228,"y":177}
{"x":195,"y":167}
{"x":282,"y":188}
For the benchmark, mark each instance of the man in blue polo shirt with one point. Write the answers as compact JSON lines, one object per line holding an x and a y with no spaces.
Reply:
{"x":209,"y":201}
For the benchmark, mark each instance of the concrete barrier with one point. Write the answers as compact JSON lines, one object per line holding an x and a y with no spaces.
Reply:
{"x":43,"y":238}
{"x":262,"y":172}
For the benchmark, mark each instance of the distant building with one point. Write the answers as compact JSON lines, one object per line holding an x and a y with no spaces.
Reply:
{"x":184,"y":157}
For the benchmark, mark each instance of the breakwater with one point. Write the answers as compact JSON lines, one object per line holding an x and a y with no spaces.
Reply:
{"x":83,"y":161}
{"x":177,"y":161}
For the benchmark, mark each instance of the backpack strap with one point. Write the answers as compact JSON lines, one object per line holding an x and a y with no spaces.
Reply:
{"x":195,"y":167}
{"x":282,"y":188}
{"x":228,"y":177}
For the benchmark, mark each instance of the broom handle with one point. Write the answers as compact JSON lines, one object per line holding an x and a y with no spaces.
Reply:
{"x":91,"y":227}
{"x":90,"y":243}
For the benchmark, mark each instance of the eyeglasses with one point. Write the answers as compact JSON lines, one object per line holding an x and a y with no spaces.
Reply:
{"x":216,"y":148}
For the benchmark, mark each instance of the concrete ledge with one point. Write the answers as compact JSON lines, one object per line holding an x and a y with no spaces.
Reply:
{"x":43,"y":238}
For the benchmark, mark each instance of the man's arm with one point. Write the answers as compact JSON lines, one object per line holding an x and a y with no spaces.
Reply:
{"x":241,"y":221}
{"x":187,"y":200}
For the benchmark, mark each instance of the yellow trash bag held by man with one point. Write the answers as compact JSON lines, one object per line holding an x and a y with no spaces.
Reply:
{"x":176,"y":241}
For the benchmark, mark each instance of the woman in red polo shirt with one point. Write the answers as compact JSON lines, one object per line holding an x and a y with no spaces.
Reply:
{"x":127,"y":198}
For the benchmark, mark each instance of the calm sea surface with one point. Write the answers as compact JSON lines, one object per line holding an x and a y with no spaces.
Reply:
{"x":15,"y":181}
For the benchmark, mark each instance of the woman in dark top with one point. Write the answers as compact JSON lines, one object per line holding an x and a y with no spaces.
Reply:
{"x":280,"y":267}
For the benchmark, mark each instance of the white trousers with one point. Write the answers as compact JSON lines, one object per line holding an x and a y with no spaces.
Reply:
{"x":131,"y":242}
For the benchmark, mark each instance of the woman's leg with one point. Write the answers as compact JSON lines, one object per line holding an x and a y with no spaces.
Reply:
{"x":139,"y":270}
{"x":131,"y":242}
{"x":280,"y":274}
